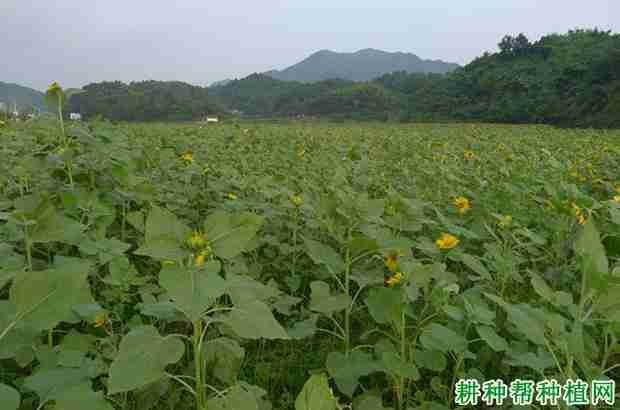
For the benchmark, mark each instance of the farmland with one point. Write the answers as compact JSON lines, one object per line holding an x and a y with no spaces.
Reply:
{"x":302,"y":265}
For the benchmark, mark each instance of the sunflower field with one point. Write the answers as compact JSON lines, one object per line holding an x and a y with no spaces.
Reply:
{"x":306,"y":266}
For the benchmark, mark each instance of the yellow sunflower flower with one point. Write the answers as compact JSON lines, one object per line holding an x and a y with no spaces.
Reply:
{"x":468,"y":155}
{"x":462,"y":204}
{"x":447,"y":241}
{"x":393,"y":280}
{"x":100,"y":320}
{"x":391,"y":262}
{"x":187,"y":157}
{"x":579,"y":214}
{"x":200,"y":259}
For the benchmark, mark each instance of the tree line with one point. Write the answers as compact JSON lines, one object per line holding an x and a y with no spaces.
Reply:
{"x":570,"y":79}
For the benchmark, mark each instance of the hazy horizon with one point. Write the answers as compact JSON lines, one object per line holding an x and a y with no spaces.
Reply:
{"x":76,"y":43}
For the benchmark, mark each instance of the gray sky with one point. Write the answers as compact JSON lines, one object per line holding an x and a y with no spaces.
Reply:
{"x":77,"y":42}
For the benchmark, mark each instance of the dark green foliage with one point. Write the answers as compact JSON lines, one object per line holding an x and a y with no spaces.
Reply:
{"x":144,"y":101}
{"x":569,"y":80}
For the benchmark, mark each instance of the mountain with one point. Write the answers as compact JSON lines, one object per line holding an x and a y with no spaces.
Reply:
{"x":25,"y":98}
{"x":220,"y":83}
{"x":363,"y":65}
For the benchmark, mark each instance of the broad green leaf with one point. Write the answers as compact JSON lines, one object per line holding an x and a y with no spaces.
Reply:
{"x":316,"y":395}
{"x":82,"y":397}
{"x":477,"y":309}
{"x":242,"y":288}
{"x":236,"y":398}
{"x":590,"y":249}
{"x":229,"y":235}
{"x":494,"y":340}
{"x":361,"y":244}
{"x":11,"y":263}
{"x":474,"y":264}
{"x":54,"y":227}
{"x":193,"y":290}
{"x":254,"y":320}
{"x":49,"y":384}
{"x":142,"y":358}
{"x":346,"y":371}
{"x":323,"y":254}
{"x":436,"y":336}
{"x":162,"y":223}
{"x":106,"y":249}
{"x":71,"y":358}
{"x":136,"y":219}
{"x":9,"y":398}
{"x":324,"y":302}
{"x":224,"y":356}
{"x":303,"y":329}
{"x":384,"y":304}
{"x":523,"y":318}
{"x":614,"y":214}
{"x":78,"y":341}
{"x":163,"y":248}
{"x":368,"y":401}
{"x":393,"y":364}
{"x":162,"y":310}
{"x":164,"y":237}
{"x":46,"y":298}
{"x":431,"y":359}
{"x":539,"y":362}
{"x":15,"y":338}
{"x":541,"y":287}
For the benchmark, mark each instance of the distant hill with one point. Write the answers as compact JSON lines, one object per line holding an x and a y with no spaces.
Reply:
{"x":363,"y":65}
{"x":143,"y":101}
{"x":254,"y":94}
{"x":25,"y":98}
{"x":220,"y":83}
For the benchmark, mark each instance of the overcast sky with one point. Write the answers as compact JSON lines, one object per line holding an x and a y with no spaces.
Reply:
{"x":77,"y":42}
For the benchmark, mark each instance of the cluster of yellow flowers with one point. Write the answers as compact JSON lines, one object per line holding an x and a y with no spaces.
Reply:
{"x":199,"y":242}
{"x":468,"y":155}
{"x":391,"y":262}
{"x":231,"y":196}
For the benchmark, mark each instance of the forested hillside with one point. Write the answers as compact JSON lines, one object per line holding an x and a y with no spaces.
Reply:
{"x":571,"y":79}
{"x":144,"y":101}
